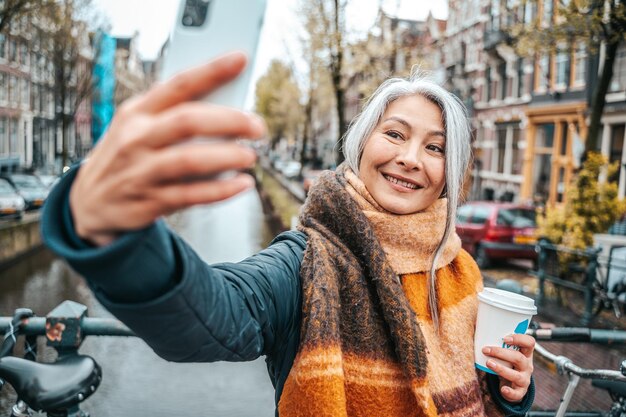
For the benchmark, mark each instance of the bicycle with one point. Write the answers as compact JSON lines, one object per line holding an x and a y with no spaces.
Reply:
{"x":614,"y":382}
{"x":57,"y":388}
{"x":610,"y":283}
{"x":600,"y":277}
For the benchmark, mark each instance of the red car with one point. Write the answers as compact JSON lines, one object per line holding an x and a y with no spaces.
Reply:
{"x":490,"y":230}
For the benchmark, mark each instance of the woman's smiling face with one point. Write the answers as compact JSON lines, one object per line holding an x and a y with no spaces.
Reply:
{"x":403,"y":162}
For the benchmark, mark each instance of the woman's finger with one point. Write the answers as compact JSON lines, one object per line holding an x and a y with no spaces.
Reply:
{"x":179,"y":196}
{"x":516,"y":378}
{"x":525,"y":343}
{"x":197,"y":159}
{"x":192,"y":84}
{"x":202,"y":120}
{"x":513,"y":394}
{"x":514,"y":357}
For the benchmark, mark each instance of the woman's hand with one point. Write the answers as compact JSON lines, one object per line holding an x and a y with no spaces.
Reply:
{"x":140,"y":169}
{"x":514,"y":379}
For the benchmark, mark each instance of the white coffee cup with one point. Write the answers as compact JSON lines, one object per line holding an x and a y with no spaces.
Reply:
{"x":500,"y":313}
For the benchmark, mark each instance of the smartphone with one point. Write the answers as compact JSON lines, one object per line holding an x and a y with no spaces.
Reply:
{"x":205,"y":29}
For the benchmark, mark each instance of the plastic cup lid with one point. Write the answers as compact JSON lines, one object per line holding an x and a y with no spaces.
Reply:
{"x":508,"y":301}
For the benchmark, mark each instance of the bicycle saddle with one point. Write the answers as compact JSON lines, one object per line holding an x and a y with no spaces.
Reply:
{"x":52,"y":386}
{"x":615,"y":387}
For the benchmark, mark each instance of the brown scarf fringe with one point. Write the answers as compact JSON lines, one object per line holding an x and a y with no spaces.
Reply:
{"x":369,"y":314}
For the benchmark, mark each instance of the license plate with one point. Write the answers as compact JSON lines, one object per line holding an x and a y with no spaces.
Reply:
{"x":525,"y":240}
{"x":7,"y":210}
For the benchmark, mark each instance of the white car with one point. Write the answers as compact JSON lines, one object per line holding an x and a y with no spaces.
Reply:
{"x":291,"y":169}
{"x":12,"y":205}
{"x":48,"y":181}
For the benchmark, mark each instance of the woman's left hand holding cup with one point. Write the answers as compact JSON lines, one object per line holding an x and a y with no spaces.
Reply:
{"x":517,"y":368}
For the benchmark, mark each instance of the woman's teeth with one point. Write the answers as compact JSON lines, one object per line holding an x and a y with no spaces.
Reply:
{"x":402,"y":183}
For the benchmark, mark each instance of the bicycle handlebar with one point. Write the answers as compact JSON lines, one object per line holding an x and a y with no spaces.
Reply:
{"x":580,"y":334}
{"x":566,"y":364}
{"x":90,"y":326}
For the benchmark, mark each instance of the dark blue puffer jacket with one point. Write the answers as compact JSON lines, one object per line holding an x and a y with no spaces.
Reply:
{"x":153,"y":281}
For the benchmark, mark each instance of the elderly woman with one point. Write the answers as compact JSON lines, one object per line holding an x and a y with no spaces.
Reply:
{"x":368,"y":310}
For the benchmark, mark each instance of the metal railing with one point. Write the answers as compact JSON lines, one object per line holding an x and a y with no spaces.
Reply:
{"x":586,"y":271}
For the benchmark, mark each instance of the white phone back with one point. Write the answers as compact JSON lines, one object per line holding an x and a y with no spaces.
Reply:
{"x":231,"y":25}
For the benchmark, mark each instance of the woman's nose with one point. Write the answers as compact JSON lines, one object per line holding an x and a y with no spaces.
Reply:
{"x":410,"y":157}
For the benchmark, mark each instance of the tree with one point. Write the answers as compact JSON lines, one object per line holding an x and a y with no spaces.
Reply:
{"x":325,"y":20}
{"x":13,"y":10}
{"x":595,"y":24}
{"x":278,"y":101}
{"x":315,"y":82}
{"x":592,"y":206}
{"x":72,"y":56}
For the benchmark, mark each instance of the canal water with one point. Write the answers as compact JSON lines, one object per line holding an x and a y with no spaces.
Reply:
{"x":136,"y":382}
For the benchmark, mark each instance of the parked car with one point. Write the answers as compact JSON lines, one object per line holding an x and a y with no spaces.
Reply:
{"x":291,"y":169}
{"x":29,"y":187}
{"x":12,"y":205}
{"x":490,"y":230}
{"x":48,"y":181}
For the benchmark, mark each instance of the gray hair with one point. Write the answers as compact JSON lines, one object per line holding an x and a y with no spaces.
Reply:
{"x":458,"y":148}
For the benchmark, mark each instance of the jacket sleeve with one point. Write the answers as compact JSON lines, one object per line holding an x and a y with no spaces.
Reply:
{"x":509,"y":409}
{"x":185,"y":309}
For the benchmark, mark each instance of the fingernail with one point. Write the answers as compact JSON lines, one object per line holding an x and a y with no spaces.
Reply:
{"x":508,"y":339}
{"x":248,"y":181}
{"x":258,"y":122}
{"x":252,"y":155}
{"x":486,"y":350}
{"x":491,"y":364}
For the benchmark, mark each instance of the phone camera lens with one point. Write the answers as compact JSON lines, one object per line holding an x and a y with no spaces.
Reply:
{"x":195,"y":13}
{"x":187,"y":20}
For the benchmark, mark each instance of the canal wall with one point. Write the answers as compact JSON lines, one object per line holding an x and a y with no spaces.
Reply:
{"x":280,"y":204}
{"x":18,"y":239}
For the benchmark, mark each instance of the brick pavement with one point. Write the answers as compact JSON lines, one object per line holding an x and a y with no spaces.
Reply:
{"x":550,"y":385}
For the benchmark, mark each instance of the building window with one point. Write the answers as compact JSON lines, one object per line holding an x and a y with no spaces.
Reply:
{"x":542,"y":169}
{"x":562,"y":68}
{"x":495,"y":15}
{"x":488,"y":82}
{"x":23,"y":54}
{"x":618,"y":83}
{"x":546,"y":16}
{"x":12,"y":50}
{"x":520,"y":77}
{"x":501,"y":148}
{"x":3,"y":46}
{"x":617,"y":143}
{"x":13,"y":137}
{"x":531,"y":12}
{"x":25,"y":93}
{"x":618,"y":136}
{"x":543,"y":72}
{"x":13,"y":91}
{"x":580,"y":65}
{"x":4,"y":86}
{"x":503,"y":80}
{"x":518,"y":153}
{"x":4,"y":143}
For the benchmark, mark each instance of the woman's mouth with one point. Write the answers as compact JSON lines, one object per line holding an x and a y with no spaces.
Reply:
{"x":401,"y":183}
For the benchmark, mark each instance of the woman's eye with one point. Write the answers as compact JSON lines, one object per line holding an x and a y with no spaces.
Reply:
{"x":436,"y":148}
{"x":393,"y":134}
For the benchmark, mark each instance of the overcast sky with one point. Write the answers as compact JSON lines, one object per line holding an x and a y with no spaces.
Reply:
{"x":154,"y":19}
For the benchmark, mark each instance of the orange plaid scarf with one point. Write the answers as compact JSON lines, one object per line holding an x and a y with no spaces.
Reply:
{"x":367,"y":346}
